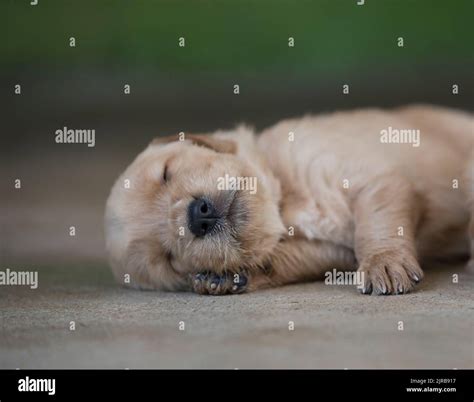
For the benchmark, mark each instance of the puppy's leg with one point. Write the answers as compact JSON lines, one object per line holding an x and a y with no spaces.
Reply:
{"x":300,"y":260}
{"x":386,"y":214}
{"x":292,"y":260}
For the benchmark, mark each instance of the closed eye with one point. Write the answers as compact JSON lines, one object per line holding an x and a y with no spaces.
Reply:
{"x":166,"y":175}
{"x":166,"y":170}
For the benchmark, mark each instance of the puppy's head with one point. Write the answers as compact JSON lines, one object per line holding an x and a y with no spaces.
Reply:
{"x":187,"y":206}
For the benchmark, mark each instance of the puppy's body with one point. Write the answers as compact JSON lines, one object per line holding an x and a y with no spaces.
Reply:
{"x":345,"y":148}
{"x":331,"y":195}
{"x":340,"y":183}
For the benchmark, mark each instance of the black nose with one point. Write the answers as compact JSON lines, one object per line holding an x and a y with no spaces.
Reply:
{"x":202,"y":217}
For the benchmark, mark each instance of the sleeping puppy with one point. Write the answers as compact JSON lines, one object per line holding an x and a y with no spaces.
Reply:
{"x":373,"y":190}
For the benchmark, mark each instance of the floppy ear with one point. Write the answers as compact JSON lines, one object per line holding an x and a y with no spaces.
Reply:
{"x":209,"y":141}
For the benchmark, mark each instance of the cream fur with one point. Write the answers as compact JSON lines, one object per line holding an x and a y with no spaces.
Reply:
{"x":345,"y":193}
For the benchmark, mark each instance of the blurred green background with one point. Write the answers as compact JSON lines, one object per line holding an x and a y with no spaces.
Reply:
{"x":238,"y":37}
{"x":190,"y":88}
{"x":230,"y":42}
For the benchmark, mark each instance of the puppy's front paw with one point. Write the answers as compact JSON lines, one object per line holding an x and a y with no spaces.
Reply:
{"x":210,"y":283}
{"x":390,"y":272}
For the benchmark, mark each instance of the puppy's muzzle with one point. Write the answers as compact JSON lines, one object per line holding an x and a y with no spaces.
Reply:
{"x":202,"y":217}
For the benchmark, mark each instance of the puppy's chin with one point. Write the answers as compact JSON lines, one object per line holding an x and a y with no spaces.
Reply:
{"x":242,"y":239}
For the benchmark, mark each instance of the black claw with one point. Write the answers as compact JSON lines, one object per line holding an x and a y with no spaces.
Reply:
{"x":380,"y":292}
{"x":242,"y":280}
{"x":201,"y":276}
{"x":239,"y":286}
{"x":367,"y":289}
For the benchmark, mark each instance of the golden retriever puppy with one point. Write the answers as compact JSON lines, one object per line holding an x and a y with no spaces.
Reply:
{"x":230,"y":212}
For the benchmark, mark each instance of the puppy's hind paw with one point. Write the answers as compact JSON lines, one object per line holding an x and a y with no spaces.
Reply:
{"x":211,"y":283}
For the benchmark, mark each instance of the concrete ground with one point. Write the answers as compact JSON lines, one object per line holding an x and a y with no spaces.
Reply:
{"x":334,"y":326}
